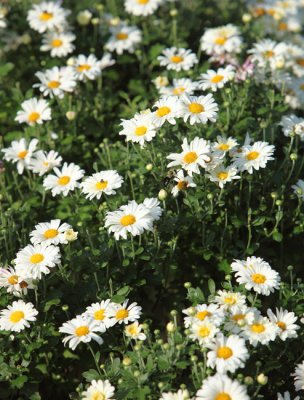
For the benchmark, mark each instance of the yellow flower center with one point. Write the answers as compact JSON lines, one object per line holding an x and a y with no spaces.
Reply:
{"x":268,"y":53}
{"x":56,"y":43}
{"x":99,"y":396}
{"x":53,"y":84}
{"x":82,"y":330}
{"x":281,"y":325}
{"x":223,"y":396}
{"x":221,"y":40}
{"x":176,"y":59}
{"x":257,"y":328}
{"x":182,"y":185}
{"x":99,"y":315}
{"x":45,"y":163}
{"x":300,"y":61}
{"x":190,"y":157}
{"x":224,"y":352}
{"x":132,"y":330}
{"x":283,"y":26}
{"x":201,"y":315}
{"x":223,"y":146}
{"x":22,"y":154}
{"x":178,"y":90}
{"x":13,"y":279}
{"x":33,"y":117}
{"x":203,"y":331}
{"x":162,"y":111}
{"x":36,"y":258}
{"x":64,"y":180}
{"x":101,"y":185}
{"x":45,"y":16}
{"x":16,"y":316}
{"x":252,"y":155}
{"x":143,"y":1}
{"x":50,"y":233}
{"x":230,"y":300}
{"x":140,"y":131}
{"x":259,"y":279}
{"x":302,"y":86}
{"x":222,"y":175}
{"x":196,"y":108}
{"x":238,"y":317}
{"x":83,"y":67}
{"x":122,"y":36}
{"x":127,"y":220}
{"x":122,"y":314}
{"x":217,"y":78}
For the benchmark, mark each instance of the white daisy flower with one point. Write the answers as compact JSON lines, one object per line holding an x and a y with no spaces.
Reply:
{"x":123,"y":38}
{"x":293,"y":125}
{"x":181,"y":394}
{"x":194,"y":155}
{"x":34,"y":111}
{"x":253,"y":157}
{"x":239,"y":316}
{"x":52,"y":232}
{"x":65,"y":180}
{"x":202,"y":312}
{"x":122,"y":313}
{"x":43,"y":162}
{"x":179,"y":87}
{"x":286,"y":396}
{"x":203,"y":332}
{"x":99,"y":390}
{"x":139,"y":129}
{"x":299,"y":377}
{"x":223,"y":144}
{"x":133,"y":331}
{"x":98,"y":311}
{"x":224,"y":39}
{"x":183,"y":182}
{"x":267,"y":53}
{"x":285,"y":321}
{"x":167,"y":109}
{"x":298,"y":188}
{"x":222,"y":175}
{"x":33,"y":261}
{"x":199,"y":110}
{"x":17,"y":316}
{"x":227,"y":354}
{"x":56,"y":81}
{"x":261,"y":330}
{"x":47,"y":15}
{"x":221,"y":387}
{"x":86,"y":67}
{"x":15,"y":284}
{"x":101,"y":182}
{"x":239,"y":266}
{"x":228,"y":299}
{"x":80,"y":330}
{"x":215,"y":80}
{"x":21,"y":153}
{"x":141,"y":7}
{"x":177,"y":59}
{"x":59,"y":44}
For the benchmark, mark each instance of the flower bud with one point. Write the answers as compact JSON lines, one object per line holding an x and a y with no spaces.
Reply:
{"x":187,"y":285}
{"x":170,"y":327}
{"x":248,"y":380}
{"x":293,"y":156}
{"x":71,"y":115}
{"x":149,"y":167}
{"x":162,"y":194}
{"x":84,"y":17}
{"x":71,"y":235}
{"x":262,"y":379}
{"x":173,"y":13}
{"x":127,"y":361}
{"x":246,"y":18}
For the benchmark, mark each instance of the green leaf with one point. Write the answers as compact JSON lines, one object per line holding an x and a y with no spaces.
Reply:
{"x":19,"y":382}
{"x":90,"y":375}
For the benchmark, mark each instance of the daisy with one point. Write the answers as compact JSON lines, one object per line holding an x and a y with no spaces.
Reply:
{"x":194,"y":155}
{"x":298,"y":188}
{"x":21,"y":153}
{"x":177,"y":59}
{"x":141,"y":7}
{"x":261,"y":278}
{"x":215,"y":80}
{"x":239,"y":316}
{"x":133,"y":331}
{"x":139,"y":129}
{"x":221,"y":387}
{"x":56,"y":81}
{"x":227,"y":354}
{"x":286,"y":396}
{"x":261,"y":330}
{"x":222,"y":175}
{"x":253,"y":157}
{"x":199,"y":109}
{"x":43,"y":162}
{"x":152,"y":205}
{"x":167,"y":109}
{"x":97,"y":311}
{"x":80,"y":330}
{"x":181,"y":394}
{"x":86,"y":67}
{"x":123,"y":38}
{"x":183,"y":182}
{"x":203,"y":332}
{"x":179,"y":87}
{"x":50,"y":233}
{"x":224,"y":39}
{"x":228,"y":299}
{"x":99,"y":390}
{"x":34,"y":112}
{"x":223,"y":144}
{"x":285,"y":321}
{"x":102,"y":182}
{"x":15,"y":284}
{"x":33,"y":261}
{"x":65,"y":179}
{"x":17,"y":316}
{"x":299,"y":377}
{"x":202,"y":312}
{"x":47,"y":15}
{"x":239,"y":266}
{"x":132,"y":218}
{"x":268,"y":53}
{"x":293,"y":125}
{"x":122,"y":313}
{"x":59,"y":44}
